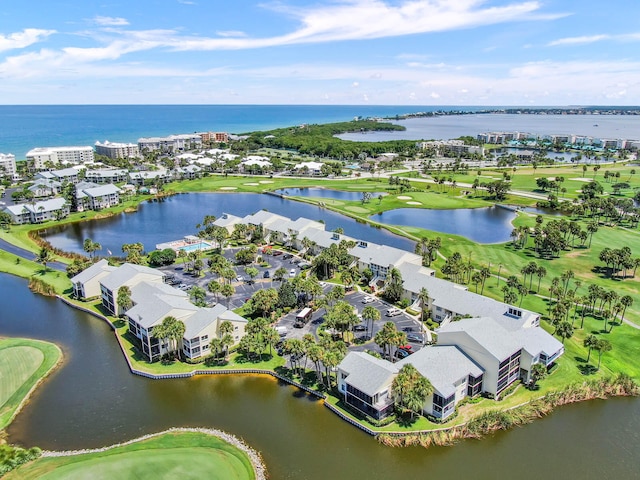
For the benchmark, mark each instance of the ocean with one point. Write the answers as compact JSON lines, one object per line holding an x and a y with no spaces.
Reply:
{"x":25,"y":127}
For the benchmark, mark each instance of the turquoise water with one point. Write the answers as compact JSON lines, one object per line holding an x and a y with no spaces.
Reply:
{"x":196,"y":246}
{"x":23,"y":127}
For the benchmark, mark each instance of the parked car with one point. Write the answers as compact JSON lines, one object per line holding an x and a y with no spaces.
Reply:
{"x":412,"y":337}
{"x":368,"y":299}
{"x":401,"y":354}
{"x":266,"y":274}
{"x":287,"y":256}
{"x":239,"y":278}
{"x":292,"y":272}
{"x":277,"y":253}
{"x":360,"y":328}
{"x":393,"y":311}
{"x":406,"y":348}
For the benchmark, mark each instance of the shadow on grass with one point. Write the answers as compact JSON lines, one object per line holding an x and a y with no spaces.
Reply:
{"x":406,"y":419}
{"x":587,"y":369}
{"x":580,"y":359}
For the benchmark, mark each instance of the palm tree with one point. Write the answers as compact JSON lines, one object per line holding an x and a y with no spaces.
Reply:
{"x":423,"y":296}
{"x":564,"y":330}
{"x":538,"y":372}
{"x":45,"y":256}
{"x":370,"y":314}
{"x":602,"y":346}
{"x":172,"y":331}
{"x":626,"y":301}
{"x":124,"y":298}
{"x":411,"y":389}
{"x":590,"y":342}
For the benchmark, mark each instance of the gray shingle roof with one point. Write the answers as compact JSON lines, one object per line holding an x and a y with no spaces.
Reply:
{"x":366,"y":372}
{"x":443,"y":366}
{"x":126,"y":273}
{"x":96,"y":269}
{"x":536,"y":341}
{"x":487,"y":333}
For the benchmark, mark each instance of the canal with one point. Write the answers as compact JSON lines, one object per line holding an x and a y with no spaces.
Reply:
{"x":93,"y":400}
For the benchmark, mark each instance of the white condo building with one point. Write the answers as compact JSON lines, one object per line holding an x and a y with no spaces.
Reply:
{"x":117,"y":150}
{"x":8,"y":165}
{"x":39,"y":158}
{"x":170,"y":144}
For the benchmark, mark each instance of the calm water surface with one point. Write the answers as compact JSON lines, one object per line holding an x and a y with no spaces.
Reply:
{"x":178,"y":215}
{"x":454,"y":126}
{"x":351,"y":196}
{"x":93,"y":400}
{"x":482,"y":225}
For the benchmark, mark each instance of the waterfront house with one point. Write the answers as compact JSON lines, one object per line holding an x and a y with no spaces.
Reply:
{"x":453,"y":375}
{"x":38,"y":212}
{"x":490,"y":346}
{"x":365,"y":383}
{"x":204,"y":326}
{"x":150,"y":176}
{"x":45,"y":187}
{"x":127,"y":274}
{"x":86,"y":284}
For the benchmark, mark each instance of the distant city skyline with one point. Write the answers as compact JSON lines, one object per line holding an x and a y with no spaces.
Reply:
{"x":350,"y":52}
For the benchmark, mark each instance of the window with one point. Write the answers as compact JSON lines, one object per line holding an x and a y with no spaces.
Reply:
{"x":204,"y":337}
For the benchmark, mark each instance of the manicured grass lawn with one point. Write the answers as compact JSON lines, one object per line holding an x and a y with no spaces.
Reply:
{"x":27,"y":269}
{"x":184,"y":455}
{"x":23,"y":363}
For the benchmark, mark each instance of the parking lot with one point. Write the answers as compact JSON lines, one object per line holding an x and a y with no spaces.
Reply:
{"x":244,"y":289}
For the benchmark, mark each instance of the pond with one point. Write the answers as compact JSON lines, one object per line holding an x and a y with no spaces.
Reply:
{"x":351,"y":196}
{"x":92,"y":400}
{"x":176,"y":216}
{"x":482,"y":225}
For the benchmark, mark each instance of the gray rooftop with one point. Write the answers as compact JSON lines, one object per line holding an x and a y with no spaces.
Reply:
{"x":366,"y":372}
{"x":125,"y":273}
{"x":443,"y":366}
{"x":96,"y":269}
{"x":486,"y":332}
{"x":536,"y":341}
{"x":201,"y":320}
{"x":102,"y":190}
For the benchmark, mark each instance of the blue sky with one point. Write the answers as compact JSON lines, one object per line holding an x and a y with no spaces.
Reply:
{"x":396,"y":52}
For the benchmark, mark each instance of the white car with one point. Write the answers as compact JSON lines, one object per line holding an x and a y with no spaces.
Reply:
{"x":392,"y":312}
{"x":368,"y":299}
{"x":239,"y":278}
{"x":292,"y":272}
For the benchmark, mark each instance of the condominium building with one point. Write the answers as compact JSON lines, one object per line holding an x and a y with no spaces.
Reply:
{"x":117,"y":150}
{"x":46,"y":157}
{"x":8,"y":165}
{"x":170,"y":144}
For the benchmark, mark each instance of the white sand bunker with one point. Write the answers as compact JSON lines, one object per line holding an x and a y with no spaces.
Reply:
{"x":252,"y":184}
{"x":228,"y":188}
{"x":414,"y":203}
{"x":582,"y":179}
{"x":266,"y":181}
{"x":403,"y":197}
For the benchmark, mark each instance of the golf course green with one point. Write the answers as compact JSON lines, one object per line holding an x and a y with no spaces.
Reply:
{"x":179,"y":454}
{"x":23,"y":364}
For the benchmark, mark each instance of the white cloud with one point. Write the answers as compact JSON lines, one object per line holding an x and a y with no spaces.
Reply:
{"x":434,"y":95}
{"x":110,"y":21}
{"x":587,"y":39}
{"x":231,"y":33}
{"x":23,"y":39}
{"x":578,"y":40}
{"x":355,"y":84}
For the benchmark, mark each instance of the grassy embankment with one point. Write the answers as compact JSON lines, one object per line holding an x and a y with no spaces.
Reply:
{"x":23,"y":364}
{"x":171,"y":455}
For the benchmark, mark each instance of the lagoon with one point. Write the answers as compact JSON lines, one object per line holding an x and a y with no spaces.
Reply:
{"x":176,"y":216}
{"x":92,"y":400}
{"x":482,"y":225}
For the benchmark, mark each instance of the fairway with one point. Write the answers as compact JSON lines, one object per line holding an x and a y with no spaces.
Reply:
{"x":186,"y":455}
{"x":23,"y":363}
{"x":17,"y":364}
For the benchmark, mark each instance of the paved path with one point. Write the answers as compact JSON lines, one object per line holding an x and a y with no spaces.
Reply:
{"x":26,"y":254}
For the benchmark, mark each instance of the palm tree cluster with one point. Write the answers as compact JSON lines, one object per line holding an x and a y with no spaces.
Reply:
{"x":258,"y":336}
{"x":410,"y":389}
{"x":389,"y":338}
{"x":619,"y":261}
{"x":325,"y":354}
{"x":170,"y":332}
{"x":428,"y":249}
